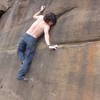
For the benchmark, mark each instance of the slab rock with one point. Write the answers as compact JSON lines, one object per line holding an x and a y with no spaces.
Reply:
{"x":69,"y":73}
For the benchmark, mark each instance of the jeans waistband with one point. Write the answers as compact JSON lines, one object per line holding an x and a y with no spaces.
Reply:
{"x":29,"y":38}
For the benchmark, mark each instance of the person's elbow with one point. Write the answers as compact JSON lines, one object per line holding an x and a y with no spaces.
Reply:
{"x":34,"y":17}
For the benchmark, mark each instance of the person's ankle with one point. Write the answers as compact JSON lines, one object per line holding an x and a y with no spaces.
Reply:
{"x":20,"y":78}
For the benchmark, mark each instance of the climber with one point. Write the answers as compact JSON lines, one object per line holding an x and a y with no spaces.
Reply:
{"x":27,"y":44}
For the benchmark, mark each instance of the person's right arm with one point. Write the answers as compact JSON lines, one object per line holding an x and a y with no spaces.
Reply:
{"x":46,"y":35}
{"x":47,"y":38}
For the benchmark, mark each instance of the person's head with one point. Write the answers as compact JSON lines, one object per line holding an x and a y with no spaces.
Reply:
{"x":50,"y":19}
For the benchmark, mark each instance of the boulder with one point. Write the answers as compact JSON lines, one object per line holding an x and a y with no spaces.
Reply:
{"x":69,"y":73}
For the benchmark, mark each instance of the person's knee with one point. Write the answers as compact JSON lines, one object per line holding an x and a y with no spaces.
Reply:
{"x":18,"y":51}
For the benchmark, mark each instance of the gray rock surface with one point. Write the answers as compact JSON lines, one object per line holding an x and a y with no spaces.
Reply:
{"x":5,"y":4}
{"x":69,"y":73}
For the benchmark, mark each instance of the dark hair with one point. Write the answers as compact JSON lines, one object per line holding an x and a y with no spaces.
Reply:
{"x":50,"y":17}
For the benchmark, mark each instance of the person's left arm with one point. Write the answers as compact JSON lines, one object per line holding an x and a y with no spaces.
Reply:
{"x":37,"y":15}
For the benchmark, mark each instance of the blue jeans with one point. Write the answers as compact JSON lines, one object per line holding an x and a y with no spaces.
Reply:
{"x":25,"y":52}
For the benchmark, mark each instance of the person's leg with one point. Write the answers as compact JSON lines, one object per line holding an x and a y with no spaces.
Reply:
{"x":26,"y":63}
{"x":21,"y":50}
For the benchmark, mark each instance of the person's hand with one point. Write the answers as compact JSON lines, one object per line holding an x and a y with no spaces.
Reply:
{"x":42,"y":8}
{"x":53,"y":47}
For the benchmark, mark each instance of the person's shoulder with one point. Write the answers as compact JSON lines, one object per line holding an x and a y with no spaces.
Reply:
{"x":47,"y":26}
{"x":41,"y":17}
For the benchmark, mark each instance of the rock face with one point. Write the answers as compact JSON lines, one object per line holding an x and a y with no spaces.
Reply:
{"x":5,"y":5}
{"x":69,"y":73}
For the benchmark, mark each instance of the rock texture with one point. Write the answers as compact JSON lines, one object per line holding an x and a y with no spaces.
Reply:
{"x":5,"y":5}
{"x":69,"y":73}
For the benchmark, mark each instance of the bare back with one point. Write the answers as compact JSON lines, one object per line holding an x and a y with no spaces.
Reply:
{"x":37,"y":27}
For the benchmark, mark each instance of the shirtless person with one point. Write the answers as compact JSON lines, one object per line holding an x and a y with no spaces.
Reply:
{"x":27,"y":44}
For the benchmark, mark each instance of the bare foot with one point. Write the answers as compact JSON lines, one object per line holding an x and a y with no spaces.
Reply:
{"x":25,"y":79}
